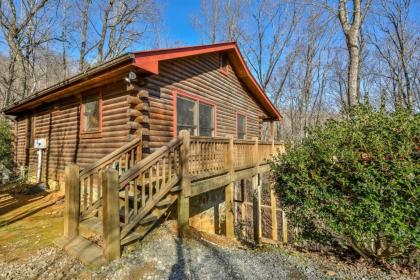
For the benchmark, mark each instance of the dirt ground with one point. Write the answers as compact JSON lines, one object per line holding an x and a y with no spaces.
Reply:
{"x":28,"y":223}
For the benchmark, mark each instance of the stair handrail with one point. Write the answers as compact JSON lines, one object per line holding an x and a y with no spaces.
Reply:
{"x":146,"y":173}
{"x":91,"y":198}
{"x":145,"y":163}
{"x":111,"y":157}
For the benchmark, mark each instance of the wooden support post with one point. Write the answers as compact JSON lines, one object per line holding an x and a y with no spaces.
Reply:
{"x":284,"y":226}
{"x":273,"y":147}
{"x":273,"y":212}
{"x":243,"y":207}
{"x":72,"y":201}
{"x":184,"y":196}
{"x":111,"y":218}
{"x":256,"y":154}
{"x":256,"y":197}
{"x":230,"y":219}
{"x":256,"y":209}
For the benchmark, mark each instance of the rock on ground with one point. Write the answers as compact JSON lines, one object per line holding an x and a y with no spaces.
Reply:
{"x":164,"y":256}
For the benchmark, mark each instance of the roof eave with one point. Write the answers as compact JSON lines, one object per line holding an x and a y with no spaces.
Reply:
{"x":149,"y":61}
{"x":18,"y":106}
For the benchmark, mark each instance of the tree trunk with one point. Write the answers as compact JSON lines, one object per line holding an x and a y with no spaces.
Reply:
{"x":353,"y":70}
{"x":83,"y":38}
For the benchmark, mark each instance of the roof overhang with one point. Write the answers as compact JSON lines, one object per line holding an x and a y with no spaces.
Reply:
{"x":90,"y":78}
{"x":147,"y":62}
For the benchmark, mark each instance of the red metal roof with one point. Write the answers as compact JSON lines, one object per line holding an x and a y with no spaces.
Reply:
{"x":149,"y":61}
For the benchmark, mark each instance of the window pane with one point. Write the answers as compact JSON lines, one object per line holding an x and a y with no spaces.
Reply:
{"x":241,"y":123}
{"x":205,"y":120}
{"x":185,"y":115}
{"x":91,"y":114}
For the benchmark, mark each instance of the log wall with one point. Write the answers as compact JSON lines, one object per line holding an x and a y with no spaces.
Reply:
{"x":200,"y":76}
{"x":60,"y":125}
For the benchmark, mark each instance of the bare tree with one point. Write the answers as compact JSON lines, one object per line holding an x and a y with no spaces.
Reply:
{"x":83,"y":34}
{"x":23,"y":34}
{"x":397,"y":46}
{"x":351,"y":27}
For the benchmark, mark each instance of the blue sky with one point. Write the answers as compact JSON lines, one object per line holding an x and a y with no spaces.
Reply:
{"x":177,"y":24}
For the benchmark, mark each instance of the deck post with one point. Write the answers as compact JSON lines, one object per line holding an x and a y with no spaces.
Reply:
{"x":256,"y":197}
{"x":284,"y":226}
{"x":111,"y":218}
{"x":256,"y":209}
{"x":184,"y":196}
{"x":273,"y":212}
{"x":230,"y":219}
{"x":72,"y":201}
{"x":243,"y":208}
{"x":273,"y":147}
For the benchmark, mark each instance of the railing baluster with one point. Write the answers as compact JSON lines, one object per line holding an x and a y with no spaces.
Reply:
{"x":157,"y":176}
{"x":126,"y":202}
{"x":85,"y":193}
{"x":135,"y":197}
{"x":143,"y":189}
{"x":132,"y":158}
{"x":90,"y":189}
{"x":150,"y":183}
{"x":98,"y":184}
{"x":164,"y":172}
{"x":170,"y":165}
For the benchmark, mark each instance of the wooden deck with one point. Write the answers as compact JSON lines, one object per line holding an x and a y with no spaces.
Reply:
{"x":127,"y":195}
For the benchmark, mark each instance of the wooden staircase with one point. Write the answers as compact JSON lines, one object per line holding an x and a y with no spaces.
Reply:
{"x":120,"y":198}
{"x":145,"y":191}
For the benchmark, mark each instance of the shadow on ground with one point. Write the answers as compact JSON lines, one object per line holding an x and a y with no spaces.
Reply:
{"x":28,"y":222}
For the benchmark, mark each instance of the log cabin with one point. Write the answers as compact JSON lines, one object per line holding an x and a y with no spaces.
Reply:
{"x":171,"y":123}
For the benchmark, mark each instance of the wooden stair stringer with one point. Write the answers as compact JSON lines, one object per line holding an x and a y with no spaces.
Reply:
{"x":147,"y":223}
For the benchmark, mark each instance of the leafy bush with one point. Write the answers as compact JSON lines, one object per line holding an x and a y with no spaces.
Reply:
{"x":5,"y":143}
{"x":355,"y":181}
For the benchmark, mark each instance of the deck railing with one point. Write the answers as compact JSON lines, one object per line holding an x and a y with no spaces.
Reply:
{"x":154,"y":176}
{"x":210,"y":155}
{"x":207,"y":155}
{"x":122,"y":159}
{"x":138,"y":192}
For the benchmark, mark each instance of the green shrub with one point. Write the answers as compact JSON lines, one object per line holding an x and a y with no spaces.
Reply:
{"x":5,"y":143}
{"x":355,"y":181}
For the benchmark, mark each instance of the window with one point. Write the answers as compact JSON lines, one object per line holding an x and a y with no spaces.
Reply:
{"x":91,"y":114}
{"x":186,"y":117}
{"x":223,"y":63}
{"x":205,"y":120}
{"x":195,"y":116}
{"x":240,"y":126}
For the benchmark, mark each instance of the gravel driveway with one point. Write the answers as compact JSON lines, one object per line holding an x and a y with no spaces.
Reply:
{"x":163,"y":256}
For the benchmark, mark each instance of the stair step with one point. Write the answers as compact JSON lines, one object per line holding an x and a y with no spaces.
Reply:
{"x":92,"y":225}
{"x":148,"y":219}
{"x":165,"y":202}
{"x":86,"y":251}
{"x":143,"y":229}
{"x":176,"y":189}
{"x":122,"y":212}
{"x":130,"y":237}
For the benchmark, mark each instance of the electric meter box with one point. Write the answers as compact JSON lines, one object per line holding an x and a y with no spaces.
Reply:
{"x":40,"y":143}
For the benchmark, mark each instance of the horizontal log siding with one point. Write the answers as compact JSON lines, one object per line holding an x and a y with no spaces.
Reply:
{"x":200,"y":76}
{"x":59,"y":124}
{"x":20,"y":139}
